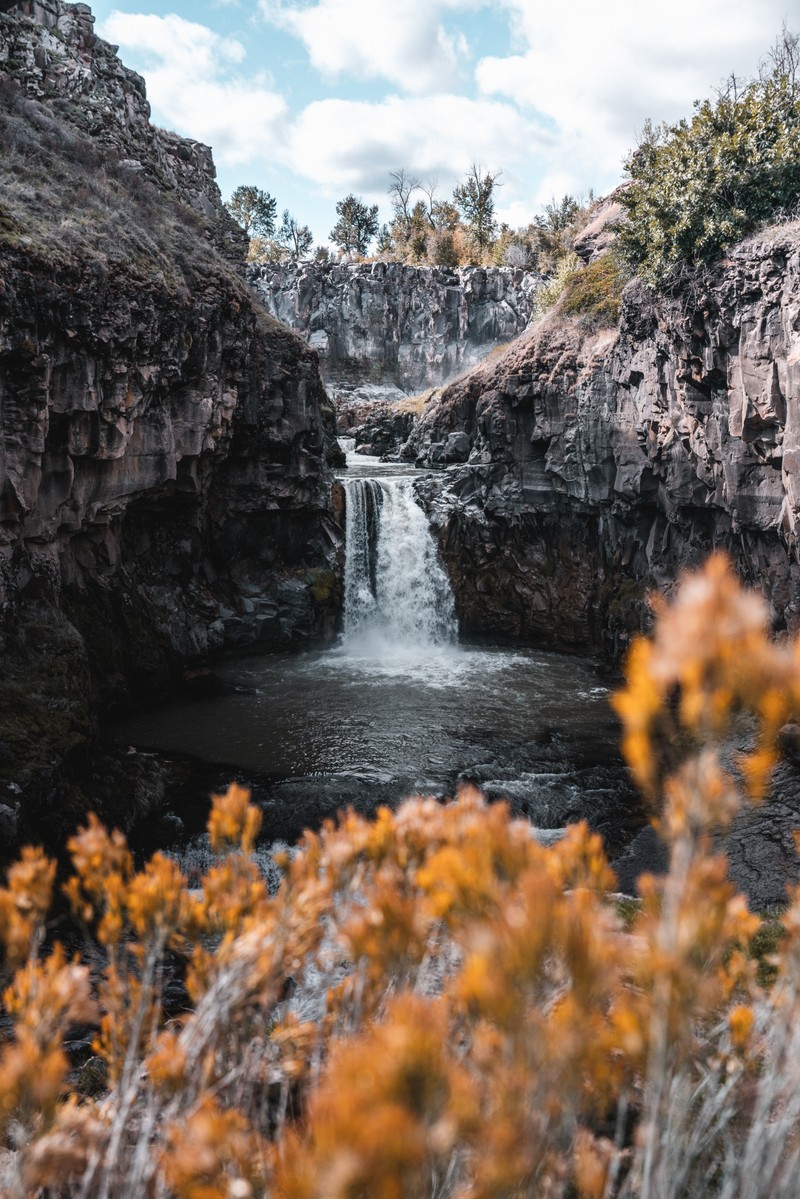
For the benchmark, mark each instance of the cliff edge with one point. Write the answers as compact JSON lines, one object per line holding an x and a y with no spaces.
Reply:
{"x":382,"y":329}
{"x":600,"y":461}
{"x":164,"y":489}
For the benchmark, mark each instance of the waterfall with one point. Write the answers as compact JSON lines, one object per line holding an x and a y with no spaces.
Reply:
{"x":395,"y":588}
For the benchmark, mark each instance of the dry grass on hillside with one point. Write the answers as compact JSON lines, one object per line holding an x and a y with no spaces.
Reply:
{"x":64,"y":200}
{"x":416,"y":404}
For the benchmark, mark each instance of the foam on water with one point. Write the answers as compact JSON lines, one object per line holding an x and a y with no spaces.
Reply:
{"x":197,"y":858}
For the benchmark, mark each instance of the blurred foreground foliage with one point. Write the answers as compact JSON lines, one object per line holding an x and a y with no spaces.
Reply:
{"x":432,"y":1003}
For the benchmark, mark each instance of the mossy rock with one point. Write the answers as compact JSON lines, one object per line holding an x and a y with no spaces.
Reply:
{"x":595,"y":292}
{"x":324,"y":585}
{"x":627,"y":592}
{"x":44,"y":696}
{"x":765,"y":947}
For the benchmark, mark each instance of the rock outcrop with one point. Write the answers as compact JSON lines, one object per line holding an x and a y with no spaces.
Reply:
{"x":50,"y":51}
{"x":401,"y":327}
{"x":164,"y":489}
{"x":600,"y":233}
{"x":600,"y":462}
{"x":379,"y":427}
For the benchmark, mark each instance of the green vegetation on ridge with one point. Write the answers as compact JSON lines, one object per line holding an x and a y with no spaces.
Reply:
{"x":699,"y":186}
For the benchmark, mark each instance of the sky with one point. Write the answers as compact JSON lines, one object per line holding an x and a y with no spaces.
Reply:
{"x":313,"y":99}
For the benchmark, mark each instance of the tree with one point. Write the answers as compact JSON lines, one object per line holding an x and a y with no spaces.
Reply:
{"x":441,"y":248}
{"x":429,"y":189}
{"x":559,"y":214}
{"x":254,"y":210}
{"x":701,"y":185}
{"x":516,"y":253}
{"x":401,"y":189}
{"x":356,"y":227}
{"x":385,"y":245}
{"x":296,"y":238}
{"x":475,"y":198}
{"x":444,"y":215}
{"x":417,"y":230}
{"x":266,"y":250}
{"x":552,"y":233}
{"x":783,"y":61}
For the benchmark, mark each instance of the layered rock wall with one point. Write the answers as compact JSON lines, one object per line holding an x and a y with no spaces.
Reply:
{"x":389,"y":324}
{"x":600,"y":462}
{"x":169,"y":448}
{"x":164,"y":486}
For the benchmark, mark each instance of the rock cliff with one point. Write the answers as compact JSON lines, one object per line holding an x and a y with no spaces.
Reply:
{"x":601,"y":461}
{"x":388,"y":328}
{"x":164,"y":489}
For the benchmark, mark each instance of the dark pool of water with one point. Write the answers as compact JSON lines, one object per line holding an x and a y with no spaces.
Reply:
{"x":320,"y":731}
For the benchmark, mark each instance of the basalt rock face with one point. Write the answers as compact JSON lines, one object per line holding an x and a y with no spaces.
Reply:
{"x":378,"y":428}
{"x":396,"y":326}
{"x":164,"y":487}
{"x":601,"y":463}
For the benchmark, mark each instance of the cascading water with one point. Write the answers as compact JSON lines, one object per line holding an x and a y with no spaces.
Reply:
{"x":396,"y":590}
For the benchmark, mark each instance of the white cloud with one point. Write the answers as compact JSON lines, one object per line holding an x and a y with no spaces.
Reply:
{"x":600,"y":73}
{"x":348,"y":145}
{"x":557,"y":115}
{"x":402,"y":41}
{"x":190,"y":87}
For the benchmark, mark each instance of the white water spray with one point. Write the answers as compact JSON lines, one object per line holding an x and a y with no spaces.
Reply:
{"x":396,"y":590}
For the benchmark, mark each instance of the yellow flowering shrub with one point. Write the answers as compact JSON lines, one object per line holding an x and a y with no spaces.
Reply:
{"x":433,"y":1003}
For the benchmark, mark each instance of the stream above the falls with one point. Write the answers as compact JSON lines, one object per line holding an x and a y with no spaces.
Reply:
{"x":398,"y":705}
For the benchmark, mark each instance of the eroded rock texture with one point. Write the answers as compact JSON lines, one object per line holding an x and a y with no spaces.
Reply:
{"x":164,"y":489}
{"x":397,"y":328}
{"x":601,"y":462}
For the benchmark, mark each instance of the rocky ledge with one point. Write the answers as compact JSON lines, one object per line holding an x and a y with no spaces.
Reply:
{"x":385,"y":330}
{"x":596,"y":463}
{"x":164,"y":487}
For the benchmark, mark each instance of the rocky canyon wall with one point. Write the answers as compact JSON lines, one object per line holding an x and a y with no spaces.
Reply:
{"x":598,"y":462}
{"x":391,"y":326}
{"x":164,"y":487}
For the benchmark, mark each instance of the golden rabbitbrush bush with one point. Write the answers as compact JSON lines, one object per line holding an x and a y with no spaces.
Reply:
{"x":432,"y":1003}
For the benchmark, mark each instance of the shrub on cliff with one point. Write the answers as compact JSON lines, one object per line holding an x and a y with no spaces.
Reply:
{"x":701,"y":185}
{"x":432,"y":1003}
{"x":550,"y":292}
{"x":65,"y":202}
{"x":594,"y":293}
{"x":591,"y":293}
